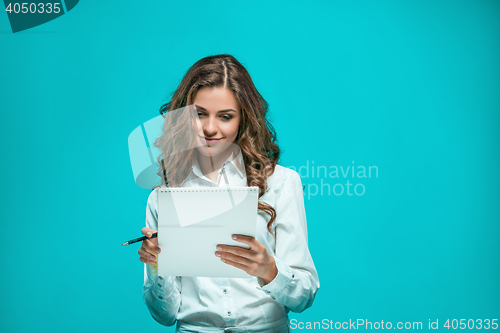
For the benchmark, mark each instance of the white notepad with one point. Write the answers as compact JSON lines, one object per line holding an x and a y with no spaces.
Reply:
{"x":192,"y":221}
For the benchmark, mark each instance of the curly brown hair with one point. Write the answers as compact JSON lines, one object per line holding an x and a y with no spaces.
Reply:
{"x":256,"y":136}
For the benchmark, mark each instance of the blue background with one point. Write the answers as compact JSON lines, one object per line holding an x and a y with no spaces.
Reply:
{"x":411,"y":87}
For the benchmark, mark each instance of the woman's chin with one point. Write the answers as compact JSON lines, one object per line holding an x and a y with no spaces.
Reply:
{"x":213,"y":150}
{"x":208,"y":151}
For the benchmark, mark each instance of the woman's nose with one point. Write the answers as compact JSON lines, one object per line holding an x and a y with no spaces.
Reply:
{"x":210,"y":127}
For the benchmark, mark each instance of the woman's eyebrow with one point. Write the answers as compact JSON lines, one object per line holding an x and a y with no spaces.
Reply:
{"x":202,"y":108}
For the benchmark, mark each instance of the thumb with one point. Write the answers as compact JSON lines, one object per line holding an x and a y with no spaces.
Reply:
{"x":148,"y":231}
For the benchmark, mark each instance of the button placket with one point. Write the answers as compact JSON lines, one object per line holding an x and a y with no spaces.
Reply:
{"x":227,"y":302}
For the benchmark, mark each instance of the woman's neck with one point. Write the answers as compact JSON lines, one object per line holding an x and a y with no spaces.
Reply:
{"x":210,"y":165}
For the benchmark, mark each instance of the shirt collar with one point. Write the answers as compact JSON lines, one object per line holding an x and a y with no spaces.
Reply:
{"x":231,"y":166}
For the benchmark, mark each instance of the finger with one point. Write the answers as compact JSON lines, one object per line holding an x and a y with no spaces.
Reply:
{"x":148,"y":231}
{"x":234,"y":258}
{"x":237,"y":265}
{"x":147,"y":261}
{"x":146,"y":255}
{"x":237,"y":250}
{"x":249,"y":240}
{"x":151,"y":246}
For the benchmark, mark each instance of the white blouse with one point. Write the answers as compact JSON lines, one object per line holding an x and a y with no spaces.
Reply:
{"x":205,"y":304}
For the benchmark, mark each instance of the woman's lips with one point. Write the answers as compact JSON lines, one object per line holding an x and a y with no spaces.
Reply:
{"x":211,"y":141}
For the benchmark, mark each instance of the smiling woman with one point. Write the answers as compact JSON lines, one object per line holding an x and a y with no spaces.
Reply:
{"x":216,"y":127}
{"x":230,"y":112}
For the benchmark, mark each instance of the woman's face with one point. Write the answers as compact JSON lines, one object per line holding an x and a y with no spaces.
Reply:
{"x":219,"y":114}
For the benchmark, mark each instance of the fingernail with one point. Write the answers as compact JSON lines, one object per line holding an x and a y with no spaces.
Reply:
{"x":152,"y":258}
{"x":149,"y":234}
{"x":217,"y":254}
{"x":234,"y":237}
{"x":223,"y":260}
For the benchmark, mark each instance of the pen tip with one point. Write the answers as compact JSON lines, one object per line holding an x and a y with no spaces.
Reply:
{"x":126,"y":243}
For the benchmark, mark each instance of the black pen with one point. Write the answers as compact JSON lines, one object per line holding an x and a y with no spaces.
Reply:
{"x":140,"y":239}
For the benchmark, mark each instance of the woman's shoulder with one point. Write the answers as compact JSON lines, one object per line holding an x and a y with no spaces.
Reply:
{"x":153,"y":196}
{"x":281,"y":177}
{"x":283,"y":173}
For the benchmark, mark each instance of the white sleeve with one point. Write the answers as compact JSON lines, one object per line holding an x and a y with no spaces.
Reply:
{"x":162,"y":295}
{"x":297,"y":281}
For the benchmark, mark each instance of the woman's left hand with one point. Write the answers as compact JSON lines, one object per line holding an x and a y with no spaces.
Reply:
{"x":256,"y":261}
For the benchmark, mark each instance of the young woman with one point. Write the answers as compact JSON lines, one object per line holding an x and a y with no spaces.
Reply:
{"x":231,"y":111}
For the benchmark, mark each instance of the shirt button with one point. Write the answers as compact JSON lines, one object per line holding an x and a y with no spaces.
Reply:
{"x":160,"y":297}
{"x":293,"y":275}
{"x":161,"y":278}
{"x":273,"y":297}
{"x":227,"y":331}
{"x":159,"y":285}
{"x":225,"y":291}
{"x":229,"y":313}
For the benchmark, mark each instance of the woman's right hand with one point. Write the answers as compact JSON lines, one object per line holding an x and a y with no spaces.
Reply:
{"x":149,"y":248}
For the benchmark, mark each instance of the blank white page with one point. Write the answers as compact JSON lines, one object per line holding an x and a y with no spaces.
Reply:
{"x":192,"y":221}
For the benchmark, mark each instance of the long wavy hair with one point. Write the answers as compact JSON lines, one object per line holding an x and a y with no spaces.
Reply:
{"x":256,"y":136}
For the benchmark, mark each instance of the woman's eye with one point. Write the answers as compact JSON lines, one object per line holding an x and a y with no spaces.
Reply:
{"x":224,"y":117}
